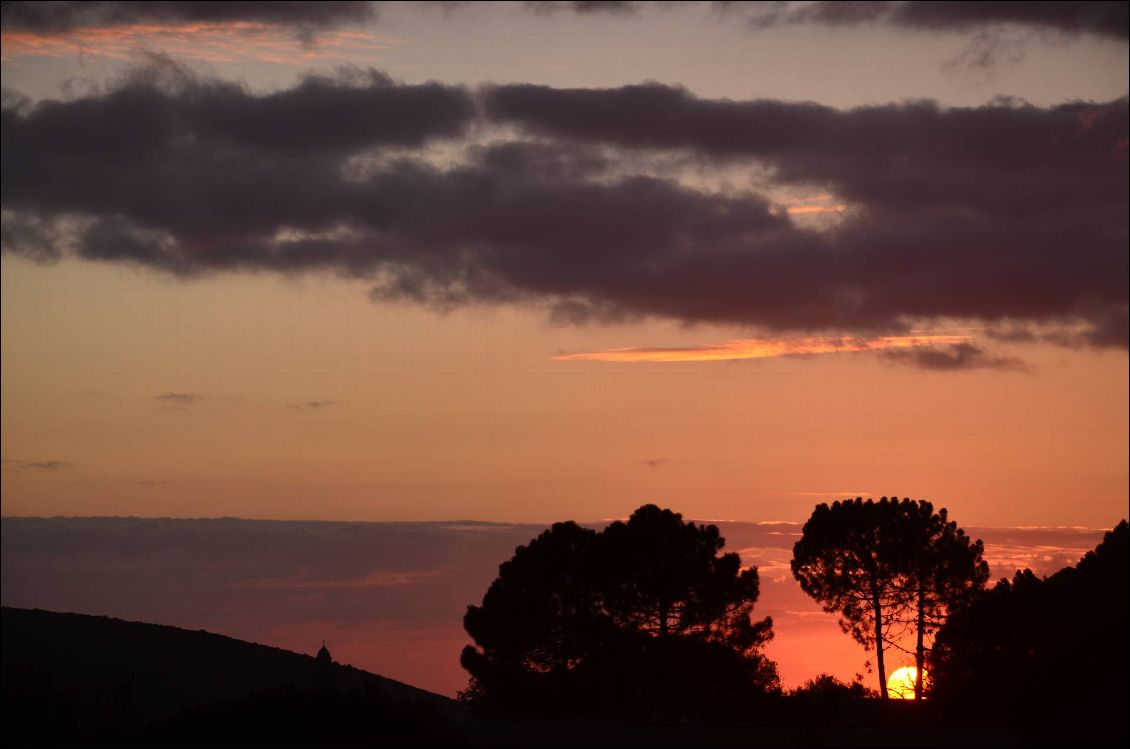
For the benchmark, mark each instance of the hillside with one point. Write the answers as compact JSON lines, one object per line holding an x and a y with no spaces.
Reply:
{"x":72,"y":677}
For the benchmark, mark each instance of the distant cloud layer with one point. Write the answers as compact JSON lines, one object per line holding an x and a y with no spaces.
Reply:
{"x":181,"y":399}
{"x":35,"y":465}
{"x":1102,"y":18}
{"x":1006,"y":214}
{"x":1109,"y":18}
{"x":588,"y":7}
{"x":57,"y":17}
{"x":312,"y":405}
{"x":292,"y":33}
{"x":956,"y":356}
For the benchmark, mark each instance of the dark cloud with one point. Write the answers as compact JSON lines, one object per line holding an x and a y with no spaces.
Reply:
{"x":986,"y":212}
{"x":1109,"y":19}
{"x":35,"y":465}
{"x":653,"y":462}
{"x":893,"y":156}
{"x":1006,"y":212}
{"x":163,"y":103}
{"x":1109,"y":328}
{"x":589,"y":7}
{"x":313,"y":405}
{"x":956,"y":357}
{"x":32,"y":236}
{"x":1103,"y":18}
{"x":203,"y":170}
{"x":304,"y":18}
{"x":987,"y":49}
{"x":183,"y":399}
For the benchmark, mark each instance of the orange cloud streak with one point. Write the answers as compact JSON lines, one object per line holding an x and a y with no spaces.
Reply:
{"x":762,"y":348}
{"x":839,"y":208}
{"x":821,"y":203}
{"x":233,"y":41}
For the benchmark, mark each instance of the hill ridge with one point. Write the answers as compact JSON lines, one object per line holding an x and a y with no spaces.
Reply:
{"x":167,"y":668}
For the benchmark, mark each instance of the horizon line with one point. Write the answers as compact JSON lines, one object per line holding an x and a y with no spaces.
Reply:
{"x":471,"y":521}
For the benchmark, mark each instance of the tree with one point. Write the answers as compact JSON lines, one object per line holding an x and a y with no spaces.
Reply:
{"x":539,"y":620}
{"x":848,"y":559}
{"x":888,"y":568}
{"x":944,"y":568}
{"x":1048,"y":656}
{"x":665,"y":578}
{"x":828,"y":687}
{"x":646,"y":617}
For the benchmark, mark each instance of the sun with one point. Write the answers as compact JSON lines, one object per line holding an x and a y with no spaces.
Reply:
{"x":900,"y":685}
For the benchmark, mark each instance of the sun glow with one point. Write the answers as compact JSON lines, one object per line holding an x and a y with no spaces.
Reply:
{"x":900,"y":685}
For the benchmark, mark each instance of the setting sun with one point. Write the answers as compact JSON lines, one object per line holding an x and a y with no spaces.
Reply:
{"x":900,"y":685}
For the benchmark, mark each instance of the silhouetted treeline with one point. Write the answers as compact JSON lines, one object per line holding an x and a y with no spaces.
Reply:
{"x":645,"y":619}
{"x":1050,"y":655}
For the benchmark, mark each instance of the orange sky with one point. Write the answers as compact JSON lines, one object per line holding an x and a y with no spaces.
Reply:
{"x":468,"y":415}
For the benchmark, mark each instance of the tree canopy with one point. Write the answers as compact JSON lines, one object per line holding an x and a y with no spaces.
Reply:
{"x":887,"y":568}
{"x":943,"y":568}
{"x":1034,"y":650}
{"x":646,"y":617}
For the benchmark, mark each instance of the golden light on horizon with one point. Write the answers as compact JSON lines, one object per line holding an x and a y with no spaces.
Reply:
{"x":900,"y":684}
{"x":763,"y":348}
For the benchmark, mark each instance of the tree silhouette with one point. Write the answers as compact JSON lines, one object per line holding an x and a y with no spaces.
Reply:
{"x":887,"y":568}
{"x":944,"y":567}
{"x":665,"y":578}
{"x":539,"y":621}
{"x":848,"y":559}
{"x":643,"y":618}
{"x":1048,"y":655}
{"x":828,"y":687}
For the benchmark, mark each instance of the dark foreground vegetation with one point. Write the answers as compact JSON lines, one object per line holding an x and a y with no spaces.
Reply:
{"x":72,"y":680}
{"x":645,"y":620}
{"x":1047,"y":655}
{"x":639,"y":635}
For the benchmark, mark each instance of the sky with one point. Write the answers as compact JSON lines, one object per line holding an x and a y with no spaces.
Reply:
{"x":528,"y":262}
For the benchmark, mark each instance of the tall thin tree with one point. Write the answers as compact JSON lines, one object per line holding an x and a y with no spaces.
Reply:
{"x":944,"y":568}
{"x":888,"y":568}
{"x":849,"y":558}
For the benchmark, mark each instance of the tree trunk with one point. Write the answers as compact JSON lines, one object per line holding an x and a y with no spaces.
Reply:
{"x":920,"y":649}
{"x":878,"y":606}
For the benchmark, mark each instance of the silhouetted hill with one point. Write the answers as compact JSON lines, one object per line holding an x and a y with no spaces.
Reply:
{"x":71,"y":678}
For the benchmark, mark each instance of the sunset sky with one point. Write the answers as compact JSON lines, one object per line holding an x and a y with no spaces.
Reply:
{"x":527,"y":262}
